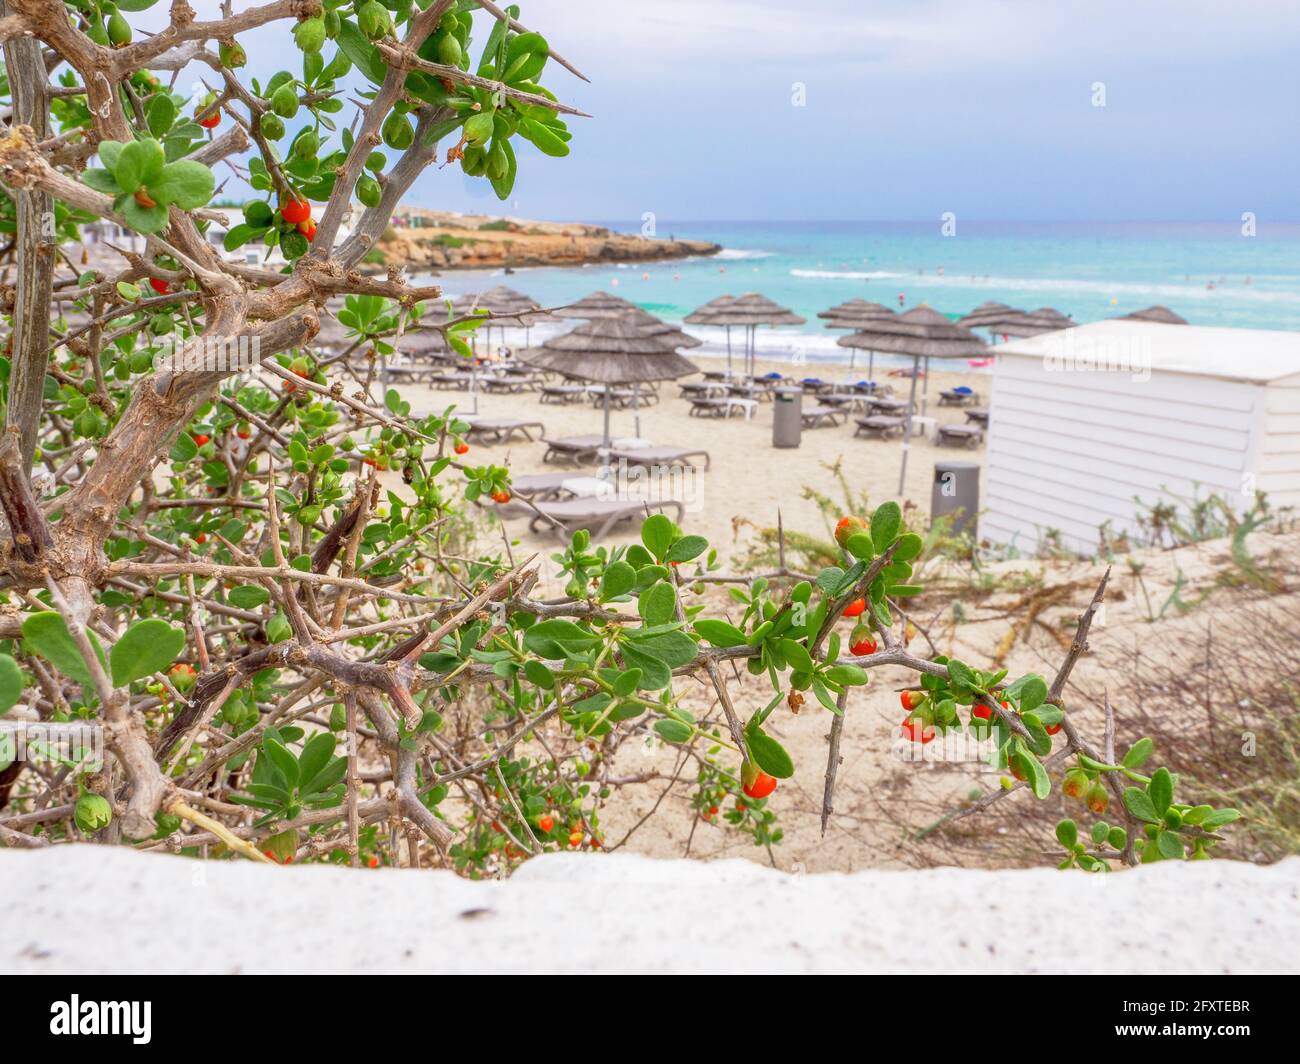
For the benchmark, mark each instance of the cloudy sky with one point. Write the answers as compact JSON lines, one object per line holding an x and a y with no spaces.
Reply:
{"x":911,"y":108}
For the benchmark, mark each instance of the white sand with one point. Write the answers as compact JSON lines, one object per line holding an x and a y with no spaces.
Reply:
{"x":749,"y":478}
{"x":98,"y":910}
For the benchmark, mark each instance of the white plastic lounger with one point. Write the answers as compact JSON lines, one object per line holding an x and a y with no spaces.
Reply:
{"x":490,"y":430}
{"x":597,"y":516}
{"x":651,"y":456}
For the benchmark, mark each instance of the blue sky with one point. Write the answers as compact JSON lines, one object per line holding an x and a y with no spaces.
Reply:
{"x":913,"y":108}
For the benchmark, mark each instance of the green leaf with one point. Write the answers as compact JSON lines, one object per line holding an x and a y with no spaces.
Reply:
{"x":47,"y":635}
{"x":143,"y":219}
{"x":1038,"y":778}
{"x":768,"y":754}
{"x":316,"y":753}
{"x":1138,"y":753}
{"x":109,"y":152}
{"x":796,"y":655}
{"x":658,"y":604}
{"x":139,"y":164}
{"x":558,"y":638}
{"x":1067,"y":833}
{"x":146,"y":647}
{"x":655,"y":673}
{"x":1170,"y":845}
{"x":11,"y":683}
{"x":248,"y":596}
{"x":719,"y":633}
{"x":885,"y":523}
{"x":673,"y":731}
{"x":538,"y":674}
{"x":362,"y":53}
{"x":543,"y":138}
{"x":657,"y":535}
{"x":161,"y":114}
{"x":861,"y":546}
{"x":1139,"y":804}
{"x":962,"y":675}
{"x":187,"y":184}
{"x":1220,"y":817}
{"x":847,"y":675}
{"x":281,"y":759}
{"x":183,"y":449}
{"x":687,"y":548}
{"x":1161,"y":790}
{"x":1030,"y":691}
{"x":909,"y":546}
{"x":101,"y":181}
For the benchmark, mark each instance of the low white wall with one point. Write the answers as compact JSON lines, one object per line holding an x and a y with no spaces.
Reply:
{"x":99,"y":910}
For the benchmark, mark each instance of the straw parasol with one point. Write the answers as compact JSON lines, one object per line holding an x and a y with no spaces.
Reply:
{"x":990,"y":316}
{"x":921,"y":333}
{"x":703,"y":315}
{"x":1037,"y":322}
{"x":1160,"y":314}
{"x":508,"y":309}
{"x":596,"y":305}
{"x":671,"y":335}
{"x":610,"y":351}
{"x":750,"y":311}
{"x":857,"y":314}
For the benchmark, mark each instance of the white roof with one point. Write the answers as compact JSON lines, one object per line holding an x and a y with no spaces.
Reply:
{"x":1255,"y":355}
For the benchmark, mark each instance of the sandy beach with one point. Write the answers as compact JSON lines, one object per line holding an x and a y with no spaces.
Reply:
{"x":749,"y":479}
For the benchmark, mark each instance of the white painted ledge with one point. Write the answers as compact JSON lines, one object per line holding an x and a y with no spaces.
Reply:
{"x":99,"y":910}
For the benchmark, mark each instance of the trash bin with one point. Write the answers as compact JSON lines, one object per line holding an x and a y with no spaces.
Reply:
{"x":787,"y":417}
{"x":956,"y":487}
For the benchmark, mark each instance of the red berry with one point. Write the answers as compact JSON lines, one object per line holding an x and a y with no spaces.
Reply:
{"x":295,"y":211}
{"x":917,"y":731}
{"x":575,"y":839}
{"x":462,"y":448}
{"x":1097,"y":799}
{"x":1075,"y":783}
{"x":860,"y":642}
{"x":212,"y":121}
{"x":911,"y":699}
{"x":545,"y":823}
{"x":741,"y":807}
{"x":501,"y":496}
{"x":854,"y":608}
{"x":848,"y":526}
{"x":373,"y":862}
{"x":200,"y":438}
{"x":762,"y":786}
{"x":244,"y":435}
{"x":202,"y":537}
{"x":307,"y":229}
{"x":713,"y":810}
{"x":982,"y":712}
{"x":159,"y":285}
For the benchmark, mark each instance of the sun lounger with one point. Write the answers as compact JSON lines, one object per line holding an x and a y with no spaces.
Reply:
{"x":978,"y":415}
{"x":960,"y":435}
{"x":562,"y":393}
{"x":537,"y":486}
{"x":703,"y":389}
{"x":597,"y":516}
{"x":757,"y":392}
{"x":962,"y":396}
{"x":821,"y":416}
{"x":891,"y":407}
{"x":622,"y":398}
{"x":580,"y":449}
{"x":511,"y":383}
{"x":652,"y":456}
{"x":723,"y":406}
{"x":880,"y":426}
{"x":490,"y":430}
{"x":459,"y":381}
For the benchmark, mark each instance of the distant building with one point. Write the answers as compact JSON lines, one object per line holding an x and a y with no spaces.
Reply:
{"x":1085,"y":420}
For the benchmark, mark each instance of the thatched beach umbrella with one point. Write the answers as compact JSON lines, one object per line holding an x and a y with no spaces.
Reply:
{"x":1037,"y":322}
{"x":1160,"y":314}
{"x":991,"y":316}
{"x":752,"y":310}
{"x":921,"y":333}
{"x":610,"y":351}
{"x":857,"y":314}
{"x":596,"y":305}
{"x":508,"y":309}
{"x":703,"y":315}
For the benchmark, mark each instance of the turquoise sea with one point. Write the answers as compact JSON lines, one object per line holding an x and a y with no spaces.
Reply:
{"x":1211,"y":274}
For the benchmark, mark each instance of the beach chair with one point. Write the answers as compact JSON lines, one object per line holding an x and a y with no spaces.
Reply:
{"x":490,"y":430}
{"x":665,"y":456}
{"x":562,"y":393}
{"x":816,"y":417}
{"x":580,"y":449}
{"x":959,"y":396}
{"x":959,"y":436}
{"x":457,"y":380}
{"x":978,"y":415}
{"x":511,"y":383}
{"x":722,"y":407}
{"x":702,"y":389}
{"x":880,"y":426}
{"x":885,"y":405}
{"x":597,"y":516}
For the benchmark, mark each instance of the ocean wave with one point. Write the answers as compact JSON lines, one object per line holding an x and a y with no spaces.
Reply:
{"x":742,"y":253}
{"x":1171,"y":292}
{"x":847,"y":275}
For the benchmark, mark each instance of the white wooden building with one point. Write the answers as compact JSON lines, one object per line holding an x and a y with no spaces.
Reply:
{"x":1085,"y":421}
